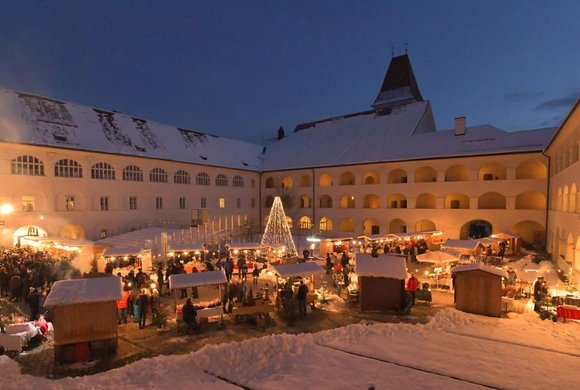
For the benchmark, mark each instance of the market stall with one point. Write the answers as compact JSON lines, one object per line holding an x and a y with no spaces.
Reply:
{"x":334,"y":245}
{"x":292,"y":273}
{"x":381,"y":282}
{"x":479,"y":288}
{"x":442,"y":262}
{"x":465,"y":247}
{"x":199,"y":279}
{"x":84,"y":317}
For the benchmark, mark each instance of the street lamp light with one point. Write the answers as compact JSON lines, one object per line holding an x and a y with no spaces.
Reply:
{"x":6,"y":209}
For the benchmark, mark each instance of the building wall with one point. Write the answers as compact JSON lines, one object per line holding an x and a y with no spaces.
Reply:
{"x":564,"y":208}
{"x":508,"y":191}
{"x":49,"y":194}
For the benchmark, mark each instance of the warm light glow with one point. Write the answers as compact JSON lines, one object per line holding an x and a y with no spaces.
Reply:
{"x":171,"y":254}
{"x":236,"y":251}
{"x":185,"y":253}
{"x":197,"y":252}
{"x":126,"y":258}
{"x":42,"y":217}
{"x":313,"y":239}
{"x":6,"y":209}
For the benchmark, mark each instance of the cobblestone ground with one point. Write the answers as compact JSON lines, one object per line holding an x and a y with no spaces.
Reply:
{"x":135,"y":344}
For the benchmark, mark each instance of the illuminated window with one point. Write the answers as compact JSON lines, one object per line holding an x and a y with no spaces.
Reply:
{"x":69,"y":203}
{"x":28,"y":203}
{"x":102,"y":171}
{"x":103,"y":233}
{"x":27,"y":165}
{"x":222,"y":203}
{"x":68,"y":168}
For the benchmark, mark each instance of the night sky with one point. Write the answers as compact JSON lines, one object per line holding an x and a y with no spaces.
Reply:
{"x":241,"y":69}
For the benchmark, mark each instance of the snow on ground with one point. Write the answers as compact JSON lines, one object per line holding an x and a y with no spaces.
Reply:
{"x":454,"y":349}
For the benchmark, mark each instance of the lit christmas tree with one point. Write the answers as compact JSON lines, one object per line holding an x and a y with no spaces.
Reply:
{"x":277,"y":230}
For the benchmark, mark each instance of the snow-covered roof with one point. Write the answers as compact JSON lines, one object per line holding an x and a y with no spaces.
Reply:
{"x":481,"y":267}
{"x":122,"y":251}
{"x":70,"y":292}
{"x":383,"y":266}
{"x":186,"y":247}
{"x":398,"y":136}
{"x":462,"y":244}
{"x":442,"y":256}
{"x":298,"y":269}
{"x":245,"y":245}
{"x":36,"y":120}
{"x":137,"y":238}
{"x":197,"y":279}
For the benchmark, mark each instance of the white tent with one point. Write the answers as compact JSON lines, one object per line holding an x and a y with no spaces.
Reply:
{"x":443,"y":256}
{"x":298,"y":269}
{"x":122,"y":251}
{"x":197,"y":279}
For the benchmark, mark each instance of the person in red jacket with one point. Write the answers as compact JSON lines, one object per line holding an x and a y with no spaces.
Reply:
{"x":412,"y":286}
{"x":122,"y":307}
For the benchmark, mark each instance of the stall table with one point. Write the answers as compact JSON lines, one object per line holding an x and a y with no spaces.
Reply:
{"x":567,"y":311}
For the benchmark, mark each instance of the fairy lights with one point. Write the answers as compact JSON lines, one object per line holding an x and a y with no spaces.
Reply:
{"x":277,"y":230}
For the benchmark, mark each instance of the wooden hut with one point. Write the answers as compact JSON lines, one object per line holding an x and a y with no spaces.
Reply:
{"x":84,"y":317}
{"x":381,"y":282}
{"x":478,"y":289}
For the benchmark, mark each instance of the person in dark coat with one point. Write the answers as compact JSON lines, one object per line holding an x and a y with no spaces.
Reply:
{"x":255,"y":275}
{"x":33,"y":303}
{"x":229,"y":268}
{"x":15,"y":288}
{"x":189,"y":314}
{"x":143,"y":304}
{"x":160,"y":280}
{"x":302,"y":293}
{"x":328,"y":265}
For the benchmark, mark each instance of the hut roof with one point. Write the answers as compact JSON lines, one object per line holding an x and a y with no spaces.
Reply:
{"x":386,"y":266}
{"x":298,"y":269}
{"x":197,"y":279}
{"x":122,"y":251}
{"x":480,"y":267}
{"x":462,"y":244}
{"x":70,"y":292}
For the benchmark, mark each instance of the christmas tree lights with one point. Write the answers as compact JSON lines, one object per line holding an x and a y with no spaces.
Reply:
{"x":277,"y":230}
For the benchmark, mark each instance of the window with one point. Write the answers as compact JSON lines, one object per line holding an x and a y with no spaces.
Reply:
{"x":158,"y":202}
{"x":132,"y":203}
{"x":69,"y":203}
{"x":202,"y":179}
{"x":238,"y":181}
{"x":222,"y":203}
{"x":68,"y":168}
{"x":238,"y":203}
{"x":132,"y":173}
{"x":403,"y":203}
{"x":221,"y":180}
{"x":102,"y":171}
{"x":181,"y":177}
{"x":104,"y":203}
{"x":488,"y":176}
{"x":28,"y":203}
{"x":158,"y":175}
{"x":27,"y":165}
{"x":455,"y":204}
{"x":203,"y":203}
{"x":182,"y":203}
{"x":253,"y":203}
{"x":103,"y":233}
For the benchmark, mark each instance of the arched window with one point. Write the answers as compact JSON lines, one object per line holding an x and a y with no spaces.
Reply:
{"x":531,"y":170}
{"x":492,"y":171}
{"x":426,"y":201}
{"x":305,"y":202}
{"x":457,"y":173}
{"x":371,"y":202}
{"x":398,"y":176}
{"x":305,"y":181}
{"x":371,"y":177}
{"x":325,"y":224}
{"x":346,"y":179}
{"x":27,"y":165}
{"x":270,"y":183}
{"x":158,"y":175}
{"x":221,"y":180}
{"x":325,"y":202}
{"x":132,"y":173}
{"x":425,"y":175}
{"x":68,"y":168}
{"x":181,"y":177}
{"x":491,"y":200}
{"x":325,"y":180}
{"x":103,"y":171}
{"x":347,"y":201}
{"x":202,"y":179}
{"x":305,"y":223}
{"x":287,"y":182}
{"x":238,"y":181}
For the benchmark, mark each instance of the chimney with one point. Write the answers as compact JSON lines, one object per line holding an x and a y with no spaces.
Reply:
{"x":460,"y":125}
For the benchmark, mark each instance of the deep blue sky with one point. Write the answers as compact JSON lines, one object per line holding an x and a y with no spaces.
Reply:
{"x":241,"y":69}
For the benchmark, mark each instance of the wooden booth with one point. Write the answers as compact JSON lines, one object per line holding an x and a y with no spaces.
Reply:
{"x":465,"y":247}
{"x":306,"y":271}
{"x":84,"y":317}
{"x":478,"y":288}
{"x":381,"y":282}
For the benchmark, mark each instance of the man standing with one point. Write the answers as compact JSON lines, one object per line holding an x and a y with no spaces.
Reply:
{"x":412,"y":286}
{"x":143,"y":304}
{"x":302,"y":293}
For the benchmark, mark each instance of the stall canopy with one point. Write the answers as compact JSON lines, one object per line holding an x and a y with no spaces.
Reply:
{"x":443,"y":256}
{"x":70,"y":292}
{"x":121,"y":251}
{"x":465,"y":245}
{"x":385,"y":266}
{"x":186,"y":247}
{"x":481,"y":267}
{"x":298,"y":269}
{"x":197,"y":279}
{"x":245,"y":246}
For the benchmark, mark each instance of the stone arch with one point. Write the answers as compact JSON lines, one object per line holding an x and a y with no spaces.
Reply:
{"x":305,"y":181}
{"x":426,"y":201}
{"x":559,"y":199}
{"x":28,"y":231}
{"x":325,"y":180}
{"x":371,"y":226}
{"x":530,"y":200}
{"x":565,"y":199}
{"x":397,"y":176}
{"x":425,"y":225}
{"x":371,"y":177}
{"x":305,"y":202}
{"x":325,"y":224}
{"x":573,"y":199}
{"x":492,"y":171}
{"x":325,"y":202}
{"x":531,"y":170}
{"x":397,"y":201}
{"x":346,"y":179}
{"x":346,"y":202}
{"x":457,"y":173}
{"x":457,"y":201}
{"x":425,"y":175}
{"x":287,"y":182}
{"x":570,"y":249}
{"x":346,"y":225}
{"x":476,"y":228}
{"x":371,"y":201}
{"x":397,"y":226}
{"x":530,"y":231}
{"x":270,"y":182}
{"x":491,"y":200}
